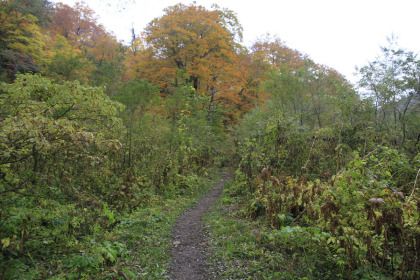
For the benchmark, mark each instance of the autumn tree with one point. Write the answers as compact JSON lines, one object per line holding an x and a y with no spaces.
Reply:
{"x":22,"y":41}
{"x":41,"y":9}
{"x":193,"y":45}
{"x":268,"y":56}
{"x":137,"y":57}
{"x":78,"y":23}
{"x":189,"y":40}
{"x":92,"y":47}
{"x":272,"y":51}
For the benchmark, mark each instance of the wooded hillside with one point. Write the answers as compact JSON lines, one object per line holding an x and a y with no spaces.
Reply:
{"x":102,"y":143}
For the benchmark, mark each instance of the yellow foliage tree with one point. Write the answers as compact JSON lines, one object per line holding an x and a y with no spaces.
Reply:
{"x":22,"y":41}
{"x":193,"y":45}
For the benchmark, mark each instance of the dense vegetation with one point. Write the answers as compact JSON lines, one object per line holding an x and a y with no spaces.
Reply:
{"x":103,"y":144}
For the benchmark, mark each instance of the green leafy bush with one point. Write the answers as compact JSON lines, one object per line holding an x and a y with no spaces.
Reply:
{"x":368,"y":212}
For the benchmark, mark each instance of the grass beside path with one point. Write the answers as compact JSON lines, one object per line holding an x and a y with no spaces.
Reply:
{"x":147,"y":233}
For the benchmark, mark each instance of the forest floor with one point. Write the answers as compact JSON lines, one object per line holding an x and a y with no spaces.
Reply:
{"x":190,"y":240}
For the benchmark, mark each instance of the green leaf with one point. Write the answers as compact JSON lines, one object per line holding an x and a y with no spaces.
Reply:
{"x":5,"y":242}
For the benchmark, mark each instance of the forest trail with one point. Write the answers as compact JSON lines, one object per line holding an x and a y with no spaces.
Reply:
{"x":188,"y":257}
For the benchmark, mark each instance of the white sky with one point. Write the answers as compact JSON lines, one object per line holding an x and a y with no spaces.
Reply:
{"x":341,"y":34}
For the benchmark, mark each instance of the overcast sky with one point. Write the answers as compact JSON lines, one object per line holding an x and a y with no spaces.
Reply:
{"x":341,"y":34}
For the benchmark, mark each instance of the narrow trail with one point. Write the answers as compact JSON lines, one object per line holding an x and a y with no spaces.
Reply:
{"x":188,"y":256}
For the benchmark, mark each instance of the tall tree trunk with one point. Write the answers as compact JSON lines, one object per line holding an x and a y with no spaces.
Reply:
{"x":210,"y":111}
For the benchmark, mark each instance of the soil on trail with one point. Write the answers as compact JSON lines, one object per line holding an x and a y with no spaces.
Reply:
{"x":188,"y":256}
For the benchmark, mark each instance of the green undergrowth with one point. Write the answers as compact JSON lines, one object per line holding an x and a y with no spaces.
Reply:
{"x":134,"y":245}
{"x":242,"y":248}
{"x":147,"y":233}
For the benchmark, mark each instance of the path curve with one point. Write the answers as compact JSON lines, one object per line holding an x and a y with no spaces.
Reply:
{"x":188,"y":255}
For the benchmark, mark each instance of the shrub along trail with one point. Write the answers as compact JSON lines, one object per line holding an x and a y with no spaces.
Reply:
{"x":188,"y":259}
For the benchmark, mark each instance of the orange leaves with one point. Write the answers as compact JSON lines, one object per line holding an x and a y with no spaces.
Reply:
{"x":191,"y":39}
{"x":273,"y":53}
{"x":192,"y":45}
{"x":79,"y":25}
{"x":85,"y":50}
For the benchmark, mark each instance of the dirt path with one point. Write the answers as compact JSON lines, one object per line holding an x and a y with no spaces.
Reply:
{"x":188,"y":257}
